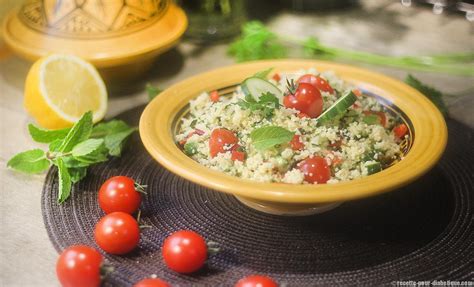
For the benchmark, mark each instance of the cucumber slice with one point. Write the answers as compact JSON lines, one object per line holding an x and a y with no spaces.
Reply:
{"x":338,"y":108}
{"x":373,"y":167}
{"x":255,"y":87}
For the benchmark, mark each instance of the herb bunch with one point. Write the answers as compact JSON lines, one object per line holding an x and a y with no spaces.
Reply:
{"x":258,"y":42}
{"x":73,"y":150}
{"x":267,"y":103}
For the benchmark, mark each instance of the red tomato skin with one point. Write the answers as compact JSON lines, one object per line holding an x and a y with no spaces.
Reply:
{"x":306,"y":99}
{"x":357,"y":92}
{"x":381,"y":115}
{"x":118,"y":193}
{"x":296,"y":143}
{"x":318,"y":82}
{"x":238,"y":155}
{"x":214,"y":95}
{"x":256,"y":281}
{"x":79,"y":266}
{"x":315,"y":169}
{"x":400,"y":130}
{"x":276,"y":77}
{"x":117,"y":233}
{"x":195,"y":132}
{"x":184,"y":251}
{"x":151,"y":282}
{"x":220,"y":138}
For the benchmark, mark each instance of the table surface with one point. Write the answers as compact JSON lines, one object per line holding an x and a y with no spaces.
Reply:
{"x":28,"y":258}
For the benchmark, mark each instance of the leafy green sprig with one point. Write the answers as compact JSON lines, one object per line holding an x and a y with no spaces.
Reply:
{"x":267,"y":103}
{"x":73,"y":150}
{"x":258,"y":42}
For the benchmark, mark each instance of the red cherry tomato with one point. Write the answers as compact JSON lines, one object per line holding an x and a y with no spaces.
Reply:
{"x":118,"y":193}
{"x":315,"y":169}
{"x":79,"y":266}
{"x":117,"y":233}
{"x":400,"y":130}
{"x":357,"y":92}
{"x":302,"y":115}
{"x":256,"y":281}
{"x":238,"y":155}
{"x":381,"y":115}
{"x":214,"y":95}
{"x":184,"y":251}
{"x":317,"y":82}
{"x":150,"y":282}
{"x":296,"y":143}
{"x":276,"y":77}
{"x":306,"y":99}
{"x":222,"y":140}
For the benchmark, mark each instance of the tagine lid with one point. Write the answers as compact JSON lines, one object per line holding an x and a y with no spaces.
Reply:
{"x":107,"y":33}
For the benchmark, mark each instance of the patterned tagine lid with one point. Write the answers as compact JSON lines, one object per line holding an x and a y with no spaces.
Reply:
{"x":107,"y":33}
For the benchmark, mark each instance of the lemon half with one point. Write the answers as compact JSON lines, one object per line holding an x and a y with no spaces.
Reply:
{"x":59,"y":89}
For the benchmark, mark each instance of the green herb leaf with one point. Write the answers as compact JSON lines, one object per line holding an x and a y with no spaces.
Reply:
{"x":116,"y":142}
{"x":77,"y":174}
{"x":64,"y":181}
{"x":338,"y":109}
{"x":190,"y":148}
{"x":431,"y":93}
{"x":31,"y":161}
{"x":267,"y":103}
{"x":54,"y":145}
{"x":257,"y":42}
{"x":103,"y":129}
{"x":371,"y":119}
{"x":87,"y":147}
{"x":98,"y":155}
{"x":263,"y":74}
{"x":267,"y":137}
{"x":152,"y":91}
{"x":46,"y":136}
{"x":78,"y":133}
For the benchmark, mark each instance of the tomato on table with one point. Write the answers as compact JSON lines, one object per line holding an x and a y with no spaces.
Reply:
{"x":151,"y":282}
{"x":315,"y":169}
{"x":400,"y":130}
{"x":117,"y":233}
{"x":296,"y":143}
{"x":119,"y":193}
{"x":318,"y":82}
{"x":256,"y":281}
{"x":381,"y":116}
{"x":305,"y":98}
{"x":214,"y":96}
{"x":221,"y":141}
{"x":184,"y":251}
{"x":79,"y":266}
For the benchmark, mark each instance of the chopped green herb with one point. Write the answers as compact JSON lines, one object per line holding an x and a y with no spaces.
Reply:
{"x":190,"y":148}
{"x":371,"y":119}
{"x":270,"y":136}
{"x":267,"y":103}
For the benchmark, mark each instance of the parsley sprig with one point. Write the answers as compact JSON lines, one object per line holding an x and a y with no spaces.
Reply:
{"x":73,"y":150}
{"x":266,"y":104}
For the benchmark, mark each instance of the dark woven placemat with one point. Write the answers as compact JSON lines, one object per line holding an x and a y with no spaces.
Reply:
{"x":424,"y":231}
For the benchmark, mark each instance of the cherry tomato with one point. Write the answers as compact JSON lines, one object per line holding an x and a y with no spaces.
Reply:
{"x":117,"y":233}
{"x":222,"y":140}
{"x":184,"y":251}
{"x":195,"y":132}
{"x":214,"y":95}
{"x":400,"y":130}
{"x":238,"y":155}
{"x":317,"y":82}
{"x":296,"y":143}
{"x":118,"y":193}
{"x":306,"y":99}
{"x":79,"y":266}
{"x":256,"y":281}
{"x":357,"y":92}
{"x":302,"y":115}
{"x":381,"y":115}
{"x":150,"y":282}
{"x":276,"y":77}
{"x":315,"y":169}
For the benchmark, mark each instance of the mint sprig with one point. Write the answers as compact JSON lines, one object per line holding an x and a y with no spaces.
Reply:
{"x":267,"y":103}
{"x":270,"y":136}
{"x":73,"y":150}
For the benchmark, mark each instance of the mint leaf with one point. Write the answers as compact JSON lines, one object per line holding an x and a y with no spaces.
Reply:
{"x":263,"y":74}
{"x":86,"y":147}
{"x":431,"y":93}
{"x":267,"y":137}
{"x":77,"y":173}
{"x":152,"y":91}
{"x":54,"y":145}
{"x":98,"y":155}
{"x":103,"y":129}
{"x":371,"y":119}
{"x":46,"y":136}
{"x":31,"y":161}
{"x":78,"y":133}
{"x":267,"y":103}
{"x":116,"y":142}
{"x":64,"y":181}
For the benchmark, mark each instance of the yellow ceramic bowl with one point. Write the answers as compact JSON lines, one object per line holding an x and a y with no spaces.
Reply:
{"x":428,"y":136}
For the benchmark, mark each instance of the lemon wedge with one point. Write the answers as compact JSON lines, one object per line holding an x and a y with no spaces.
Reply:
{"x":59,"y":89}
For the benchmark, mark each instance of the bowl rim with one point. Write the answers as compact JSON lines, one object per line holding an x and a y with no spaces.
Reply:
{"x":429,"y":127}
